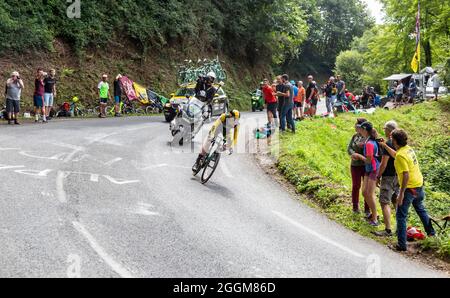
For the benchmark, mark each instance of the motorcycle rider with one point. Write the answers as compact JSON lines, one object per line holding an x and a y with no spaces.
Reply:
{"x":206,"y":84}
{"x":225,"y":123}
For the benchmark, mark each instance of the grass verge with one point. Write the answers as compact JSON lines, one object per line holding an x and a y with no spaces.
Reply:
{"x":316,"y":162}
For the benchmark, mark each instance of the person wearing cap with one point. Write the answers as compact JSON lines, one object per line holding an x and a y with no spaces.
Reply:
{"x":358,"y":167}
{"x":387,"y":181}
{"x":411,"y":186}
{"x":13,"y":90}
{"x":372,"y":166}
{"x":103,"y":89}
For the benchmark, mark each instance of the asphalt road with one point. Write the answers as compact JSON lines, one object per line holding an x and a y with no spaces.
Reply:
{"x":111,"y":198}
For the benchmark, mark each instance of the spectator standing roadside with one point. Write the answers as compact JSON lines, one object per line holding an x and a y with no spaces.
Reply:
{"x":412,"y":91}
{"x":13,"y":90}
{"x":103,"y":89}
{"x":280,"y":92}
{"x":49,"y":92}
{"x":288,"y":107}
{"x":372,"y":165}
{"x":117,"y":95}
{"x":411,"y":186}
{"x":271,"y":103}
{"x":330,"y":94}
{"x":341,"y":86}
{"x":311,"y":97}
{"x":399,"y":93}
{"x":298,"y":101}
{"x":38,"y":97}
{"x":436,"y":84}
{"x":387,"y":181}
{"x":358,"y":167}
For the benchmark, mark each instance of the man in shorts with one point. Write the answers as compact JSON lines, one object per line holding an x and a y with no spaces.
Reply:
{"x":299,"y":100}
{"x":399,"y":94}
{"x":49,"y":92}
{"x":38,"y":96}
{"x":13,"y":90}
{"x":436,"y":84}
{"x":271,"y":103}
{"x":103,"y":89}
{"x":311,"y":96}
{"x":388,"y":181}
{"x":330,"y":94}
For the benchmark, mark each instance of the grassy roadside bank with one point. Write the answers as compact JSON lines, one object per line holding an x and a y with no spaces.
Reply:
{"x":316,"y":162}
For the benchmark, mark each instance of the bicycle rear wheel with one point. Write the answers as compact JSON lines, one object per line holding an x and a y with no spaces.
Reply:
{"x":210,"y":167}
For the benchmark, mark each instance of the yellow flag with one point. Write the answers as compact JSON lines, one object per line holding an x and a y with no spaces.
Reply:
{"x":416,"y":60}
{"x":415,"y":64}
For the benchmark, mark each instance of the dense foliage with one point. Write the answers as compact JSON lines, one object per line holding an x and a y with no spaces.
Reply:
{"x":317,"y":29}
{"x":389,"y":48}
{"x":333,"y":24}
{"x":255,"y":29}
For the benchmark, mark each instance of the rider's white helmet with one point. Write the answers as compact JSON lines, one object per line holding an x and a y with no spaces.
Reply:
{"x":212,"y":75}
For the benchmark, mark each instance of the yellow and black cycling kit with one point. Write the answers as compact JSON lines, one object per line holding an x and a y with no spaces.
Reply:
{"x":222,"y":122}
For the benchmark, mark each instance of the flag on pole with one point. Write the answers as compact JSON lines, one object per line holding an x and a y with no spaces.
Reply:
{"x":415,"y":64}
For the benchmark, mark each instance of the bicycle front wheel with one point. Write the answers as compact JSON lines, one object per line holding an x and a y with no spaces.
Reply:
{"x":210,"y":167}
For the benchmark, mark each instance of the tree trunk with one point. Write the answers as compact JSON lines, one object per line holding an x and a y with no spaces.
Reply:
{"x":428,"y":55}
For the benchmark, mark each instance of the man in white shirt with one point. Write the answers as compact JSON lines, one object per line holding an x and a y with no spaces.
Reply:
{"x":436,"y":84}
{"x":399,"y":93}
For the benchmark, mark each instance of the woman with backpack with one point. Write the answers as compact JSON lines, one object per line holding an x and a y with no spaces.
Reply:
{"x":371,"y":159}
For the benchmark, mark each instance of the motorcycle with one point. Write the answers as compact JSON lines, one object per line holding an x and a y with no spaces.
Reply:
{"x":3,"y":113}
{"x":257,"y":101}
{"x":189,"y":120}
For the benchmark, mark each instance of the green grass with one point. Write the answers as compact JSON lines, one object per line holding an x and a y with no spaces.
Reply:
{"x":316,"y":162}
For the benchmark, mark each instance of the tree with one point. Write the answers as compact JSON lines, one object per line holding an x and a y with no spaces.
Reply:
{"x":389,"y":48}
{"x":333,"y":24}
{"x":350,"y":65}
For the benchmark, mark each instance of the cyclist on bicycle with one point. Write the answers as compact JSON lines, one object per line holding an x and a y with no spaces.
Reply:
{"x":225,"y":123}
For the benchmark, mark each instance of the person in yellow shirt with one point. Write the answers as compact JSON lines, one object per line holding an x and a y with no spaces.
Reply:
{"x":411,"y":186}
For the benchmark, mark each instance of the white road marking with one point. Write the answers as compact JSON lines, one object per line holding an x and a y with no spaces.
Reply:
{"x":5,"y":167}
{"x":70,"y":155}
{"x":118,"y":268}
{"x":9,"y":149}
{"x":60,"y":192}
{"x":120,"y":181}
{"x":94,"y":177}
{"x":314,"y":233}
{"x":54,"y":157}
{"x":99,"y":138}
{"x":35,"y":173}
{"x":154,"y":167}
{"x":143,"y":209}
{"x":113,"y":161}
